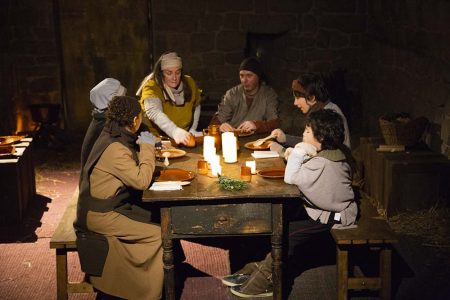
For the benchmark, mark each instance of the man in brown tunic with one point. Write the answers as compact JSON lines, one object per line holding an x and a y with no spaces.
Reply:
{"x":251,"y":106}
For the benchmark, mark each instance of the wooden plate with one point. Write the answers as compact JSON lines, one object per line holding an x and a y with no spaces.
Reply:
{"x":174,"y":153}
{"x":272,"y":173}
{"x":243,"y":134}
{"x":7,"y":150}
{"x":175,"y":175}
{"x":10,"y":139}
{"x":264,"y":146}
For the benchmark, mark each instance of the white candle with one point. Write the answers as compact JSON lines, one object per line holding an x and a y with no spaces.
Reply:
{"x":252,"y":165}
{"x":216,"y":169}
{"x":229,"y":149}
{"x":209,"y":149}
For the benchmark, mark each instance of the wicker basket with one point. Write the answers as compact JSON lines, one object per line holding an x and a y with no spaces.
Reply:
{"x":404,"y":132}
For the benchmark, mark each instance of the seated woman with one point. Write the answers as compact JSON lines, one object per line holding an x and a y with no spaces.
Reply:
{"x":310,"y":95}
{"x":171,"y":100}
{"x":100,"y":96}
{"x":118,"y":245}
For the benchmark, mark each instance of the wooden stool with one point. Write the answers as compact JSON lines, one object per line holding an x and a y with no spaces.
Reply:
{"x":373,"y":233}
{"x":64,"y":241}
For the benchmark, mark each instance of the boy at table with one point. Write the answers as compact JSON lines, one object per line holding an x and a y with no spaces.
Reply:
{"x":321,"y":172}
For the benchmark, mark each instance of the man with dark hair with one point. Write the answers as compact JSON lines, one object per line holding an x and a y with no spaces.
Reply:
{"x":251,"y":106}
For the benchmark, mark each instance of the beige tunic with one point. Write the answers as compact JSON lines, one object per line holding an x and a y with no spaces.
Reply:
{"x":233,"y":107}
{"x":133,"y":268}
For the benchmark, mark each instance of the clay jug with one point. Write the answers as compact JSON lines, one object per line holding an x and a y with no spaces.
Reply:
{"x":213,"y":130}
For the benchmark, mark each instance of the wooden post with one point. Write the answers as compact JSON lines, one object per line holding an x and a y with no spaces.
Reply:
{"x":342,"y":272}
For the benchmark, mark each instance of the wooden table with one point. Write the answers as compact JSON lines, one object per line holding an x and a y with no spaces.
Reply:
{"x":203,"y":209}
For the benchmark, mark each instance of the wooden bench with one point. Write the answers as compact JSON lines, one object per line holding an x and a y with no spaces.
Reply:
{"x":374,"y":234}
{"x":64,"y":241}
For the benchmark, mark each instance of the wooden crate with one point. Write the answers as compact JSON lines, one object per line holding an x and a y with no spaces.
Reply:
{"x":17,"y":185}
{"x":399,"y":181}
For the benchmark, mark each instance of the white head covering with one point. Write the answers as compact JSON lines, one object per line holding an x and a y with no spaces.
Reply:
{"x":171,"y":60}
{"x":104,"y":91}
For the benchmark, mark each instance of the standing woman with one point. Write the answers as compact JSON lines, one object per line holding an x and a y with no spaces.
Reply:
{"x":118,"y":245}
{"x":170,"y":99}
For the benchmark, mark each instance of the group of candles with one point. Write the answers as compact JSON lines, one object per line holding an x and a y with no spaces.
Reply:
{"x":229,"y":152}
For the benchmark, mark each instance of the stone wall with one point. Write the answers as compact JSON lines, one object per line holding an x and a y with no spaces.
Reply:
{"x":407,"y":66}
{"x":29,"y":70}
{"x":291,"y":37}
{"x":381,"y":56}
{"x":56,"y":51}
{"x":101,"y":39}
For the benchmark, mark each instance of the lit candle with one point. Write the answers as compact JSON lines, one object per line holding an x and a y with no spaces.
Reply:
{"x":209,"y":149}
{"x":252,"y":165}
{"x":229,"y":149}
{"x":216,"y":169}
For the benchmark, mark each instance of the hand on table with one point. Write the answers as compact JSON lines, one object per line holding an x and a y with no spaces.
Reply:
{"x":247,"y":126}
{"x":274,"y":146}
{"x":309,"y":149}
{"x":279,"y":135}
{"x":181,"y":136}
{"x":225,"y":127}
{"x":146,"y":137}
{"x":288,"y":152}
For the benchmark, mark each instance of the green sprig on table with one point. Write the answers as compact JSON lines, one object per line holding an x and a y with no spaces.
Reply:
{"x":231,"y":184}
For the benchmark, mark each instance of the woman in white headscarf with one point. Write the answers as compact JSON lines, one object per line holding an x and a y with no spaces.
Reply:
{"x":100,"y":96}
{"x":170,"y":100}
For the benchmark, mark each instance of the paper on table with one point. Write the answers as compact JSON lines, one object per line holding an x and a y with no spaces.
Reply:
{"x":166,"y":186}
{"x":9,"y":160}
{"x":22,"y":144}
{"x":265,"y":154}
{"x":19,"y":151}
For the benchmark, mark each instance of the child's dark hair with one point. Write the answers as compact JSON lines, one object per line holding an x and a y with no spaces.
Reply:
{"x":314,"y":86}
{"x":328,"y":128}
{"x":123,"y":109}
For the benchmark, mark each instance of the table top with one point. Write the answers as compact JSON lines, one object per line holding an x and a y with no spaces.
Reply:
{"x":206,"y":188}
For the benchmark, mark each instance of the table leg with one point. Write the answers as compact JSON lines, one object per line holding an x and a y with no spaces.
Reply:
{"x":277,"y":250}
{"x":385,"y":273}
{"x":169,"y":276}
